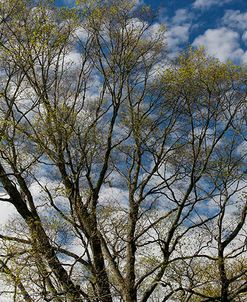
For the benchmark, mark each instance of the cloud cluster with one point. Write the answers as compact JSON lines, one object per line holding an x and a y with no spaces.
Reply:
{"x":235,"y":19}
{"x":223,"y":43}
{"x":178,"y":30}
{"x":226,"y":42}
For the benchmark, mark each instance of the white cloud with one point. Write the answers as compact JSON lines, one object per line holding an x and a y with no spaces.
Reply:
{"x":235,"y":19}
{"x":113,"y":196}
{"x":244,"y":37}
{"x":205,"y":4}
{"x":244,"y":58}
{"x":6,"y":210}
{"x":81,"y":33}
{"x":222,"y":43}
{"x":138,"y":3}
{"x":242,"y":148}
{"x":177,"y":35}
{"x":178,"y":30}
{"x":73,"y":59}
{"x":181,"y":16}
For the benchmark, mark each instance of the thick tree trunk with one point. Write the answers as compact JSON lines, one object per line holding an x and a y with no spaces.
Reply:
{"x":101,"y":277}
{"x":89,"y":226}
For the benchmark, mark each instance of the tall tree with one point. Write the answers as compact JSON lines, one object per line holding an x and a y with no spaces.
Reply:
{"x":115,"y":160}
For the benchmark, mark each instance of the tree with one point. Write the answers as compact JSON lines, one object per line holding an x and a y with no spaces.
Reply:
{"x":115,"y":160}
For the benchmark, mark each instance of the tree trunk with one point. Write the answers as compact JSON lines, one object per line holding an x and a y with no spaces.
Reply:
{"x":100,"y":274}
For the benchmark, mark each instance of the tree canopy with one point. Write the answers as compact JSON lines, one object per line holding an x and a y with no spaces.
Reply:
{"x":126,"y":170}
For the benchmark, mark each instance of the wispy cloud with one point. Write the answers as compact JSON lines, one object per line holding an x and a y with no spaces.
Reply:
{"x":244,"y":37}
{"x":235,"y":19}
{"x":206,"y":4}
{"x":181,"y":16}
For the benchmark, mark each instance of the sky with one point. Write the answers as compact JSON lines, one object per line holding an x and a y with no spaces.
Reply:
{"x":219,"y":25}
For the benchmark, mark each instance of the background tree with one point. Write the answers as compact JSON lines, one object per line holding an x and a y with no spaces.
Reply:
{"x":127,"y":173}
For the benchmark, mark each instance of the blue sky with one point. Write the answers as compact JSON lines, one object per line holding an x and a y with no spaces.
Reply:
{"x":219,"y":25}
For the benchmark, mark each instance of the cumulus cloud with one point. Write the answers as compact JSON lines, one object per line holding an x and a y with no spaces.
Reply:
{"x":235,"y":19}
{"x":176,"y":35}
{"x":181,"y":16}
{"x":222,"y":43}
{"x":205,"y":4}
{"x":178,"y":30}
